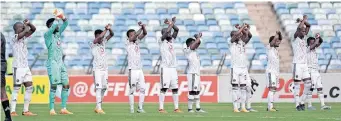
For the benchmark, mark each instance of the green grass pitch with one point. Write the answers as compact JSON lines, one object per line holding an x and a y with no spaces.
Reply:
{"x":216,"y":112}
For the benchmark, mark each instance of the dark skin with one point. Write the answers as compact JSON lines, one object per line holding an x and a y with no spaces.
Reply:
{"x":246,"y":34}
{"x":195,"y":44}
{"x":99,"y":37}
{"x":166,"y":33}
{"x":316,"y":43}
{"x":24,"y":30}
{"x":133,"y":36}
{"x":277,"y":40}
{"x":57,"y":28}
{"x":303,"y":27}
{"x":236,"y":35}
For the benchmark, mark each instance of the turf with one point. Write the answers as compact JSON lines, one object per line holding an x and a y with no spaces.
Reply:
{"x":216,"y":112}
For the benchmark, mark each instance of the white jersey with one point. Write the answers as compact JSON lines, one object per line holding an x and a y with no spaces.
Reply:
{"x":239,"y":57}
{"x":193,"y":60}
{"x":20,"y":52}
{"x":100,"y":56}
{"x":300,"y":51}
{"x":312,"y":58}
{"x":168,"y":55}
{"x":273,"y":60}
{"x":134,"y":55}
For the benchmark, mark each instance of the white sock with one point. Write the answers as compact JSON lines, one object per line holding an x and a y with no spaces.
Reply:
{"x":197,"y":101}
{"x":243,"y":97}
{"x":176,"y":101}
{"x":27,"y":98}
{"x":190,"y":101}
{"x":321,"y":97}
{"x":99,"y":99}
{"x":14,"y":98}
{"x":161,"y":100}
{"x":297,"y":93}
{"x":309,"y":97}
{"x":270,"y":99}
{"x":131,"y":101}
{"x":103,"y":93}
{"x":141,"y":100}
{"x":248,"y":98}
{"x":235,"y":98}
{"x":306,"y":91}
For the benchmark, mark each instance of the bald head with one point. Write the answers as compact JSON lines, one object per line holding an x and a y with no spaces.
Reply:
{"x":18,"y":27}
{"x":165,"y":34}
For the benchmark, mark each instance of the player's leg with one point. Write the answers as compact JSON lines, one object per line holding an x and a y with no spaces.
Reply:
{"x":320,"y":94}
{"x":297,"y":76}
{"x":235,"y":90}
{"x":307,"y":86}
{"x":312,"y":88}
{"x":197,"y":89}
{"x":98,"y":76}
{"x":28,"y":83}
{"x":248,"y":92}
{"x":4,"y":98}
{"x":191,"y":93}
{"x":141,"y":86}
{"x":54,"y":77}
{"x":164,"y":83}
{"x":104,"y":84}
{"x":175,"y":89}
{"x":17,"y":81}
{"x":65,"y":89}
{"x":132,"y":79}
{"x":243,"y":86}
{"x":272,"y":86}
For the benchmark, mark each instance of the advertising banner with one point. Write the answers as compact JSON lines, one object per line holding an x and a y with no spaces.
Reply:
{"x":331,"y":88}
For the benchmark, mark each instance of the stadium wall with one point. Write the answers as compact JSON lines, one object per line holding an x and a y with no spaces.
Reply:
{"x":214,"y":89}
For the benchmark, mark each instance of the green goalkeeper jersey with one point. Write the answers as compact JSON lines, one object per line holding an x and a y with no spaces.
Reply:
{"x":53,"y":43}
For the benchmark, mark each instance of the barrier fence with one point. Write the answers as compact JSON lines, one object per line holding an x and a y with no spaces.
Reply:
{"x":214,"y":89}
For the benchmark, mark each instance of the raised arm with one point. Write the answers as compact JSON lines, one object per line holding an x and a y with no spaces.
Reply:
{"x":32,"y":27}
{"x":99,"y":39}
{"x":300,"y":25}
{"x":144,"y":31}
{"x":196,"y":42}
{"x":111,"y":33}
{"x":318,"y":41}
{"x":247,"y":34}
{"x":132,"y":38}
{"x":23,"y":33}
{"x":175,"y":28}
{"x":170,"y":26}
{"x":51,"y":29}
{"x":277,"y":37}
{"x":307,"y":28}
{"x":235,"y":35}
{"x":65,"y":24}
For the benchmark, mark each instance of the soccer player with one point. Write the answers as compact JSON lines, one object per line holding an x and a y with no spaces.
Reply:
{"x":136,"y":76}
{"x":239,"y":71}
{"x":3,"y":95}
{"x":193,"y":74}
{"x":22,"y":73}
{"x":272,"y":69}
{"x":56,"y":68}
{"x":300,"y":67}
{"x":100,"y":65}
{"x":169,"y":76}
{"x":315,"y":76}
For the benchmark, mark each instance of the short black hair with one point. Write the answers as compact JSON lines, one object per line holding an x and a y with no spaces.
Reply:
{"x":188,"y":41}
{"x":130,"y":30}
{"x":48,"y":22}
{"x":271,"y":38}
{"x":16,"y":24}
{"x":98,"y":31}
{"x":163,"y":30}
{"x":309,"y":39}
{"x":232,"y":33}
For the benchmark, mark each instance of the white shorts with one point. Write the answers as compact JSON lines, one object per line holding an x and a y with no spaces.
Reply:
{"x":240,"y":76}
{"x":193,"y":82}
{"x":136,"y":79}
{"x":22,"y":75}
{"x":272,"y":79}
{"x":101,"y":79}
{"x":300,"y":71}
{"x":169,"y":78}
{"x":316,"y":79}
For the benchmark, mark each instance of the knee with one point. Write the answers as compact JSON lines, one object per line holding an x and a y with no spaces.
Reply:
{"x":272,"y":89}
{"x":28,"y":84}
{"x":235,"y":87}
{"x":192,"y":93}
{"x":53,"y":87}
{"x":66,"y":86}
{"x":163,"y":90}
{"x":142,"y":90}
{"x":175,"y":91}
{"x":319,"y":90}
